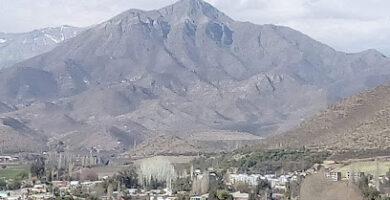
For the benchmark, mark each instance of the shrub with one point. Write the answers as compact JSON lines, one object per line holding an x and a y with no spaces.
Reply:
{"x":14,"y":185}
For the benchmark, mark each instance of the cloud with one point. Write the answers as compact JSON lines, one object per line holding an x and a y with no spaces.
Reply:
{"x":346,"y":25}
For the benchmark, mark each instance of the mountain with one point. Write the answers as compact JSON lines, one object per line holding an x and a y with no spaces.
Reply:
{"x":176,"y":71}
{"x":15,"y":47}
{"x":358,"y":122}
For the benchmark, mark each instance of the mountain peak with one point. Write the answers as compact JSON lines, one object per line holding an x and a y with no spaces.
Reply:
{"x":194,"y":9}
{"x":191,"y":2}
{"x":182,"y":10}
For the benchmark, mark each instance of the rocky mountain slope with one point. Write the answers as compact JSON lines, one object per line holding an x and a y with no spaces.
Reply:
{"x":15,"y":47}
{"x":175,"y":71}
{"x":361,"y":121}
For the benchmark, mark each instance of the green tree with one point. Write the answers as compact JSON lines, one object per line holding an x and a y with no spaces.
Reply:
{"x":38,"y":167}
{"x":129,"y":178}
{"x":3,"y":184}
{"x":263,"y":188}
{"x":184,"y":196}
{"x":154,"y":184}
{"x":263,"y":185}
{"x":14,"y":185}
{"x":56,"y":191}
{"x":65,"y":198}
{"x":368,"y":192}
{"x":213,"y":195}
{"x":224,"y":195}
{"x":217,"y":183}
{"x":77,"y":191}
{"x":183,"y":184}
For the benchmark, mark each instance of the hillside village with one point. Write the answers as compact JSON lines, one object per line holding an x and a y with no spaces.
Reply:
{"x":158,"y":178}
{"x":197,"y":185}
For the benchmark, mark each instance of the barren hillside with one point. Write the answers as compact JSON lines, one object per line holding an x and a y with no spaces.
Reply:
{"x":361,"y":121}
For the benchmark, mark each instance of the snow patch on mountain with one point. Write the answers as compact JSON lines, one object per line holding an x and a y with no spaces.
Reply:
{"x":21,"y":46}
{"x":52,"y":38}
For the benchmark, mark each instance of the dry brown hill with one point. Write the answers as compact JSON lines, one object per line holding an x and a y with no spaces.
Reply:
{"x":207,"y":141}
{"x":361,"y":121}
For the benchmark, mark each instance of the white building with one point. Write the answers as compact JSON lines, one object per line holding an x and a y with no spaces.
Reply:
{"x":269,"y":176}
{"x":284,"y":179}
{"x":9,"y":158}
{"x":244,"y":178}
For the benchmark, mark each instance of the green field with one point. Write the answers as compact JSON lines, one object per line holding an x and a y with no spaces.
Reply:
{"x":368,"y":167}
{"x":10,"y":172}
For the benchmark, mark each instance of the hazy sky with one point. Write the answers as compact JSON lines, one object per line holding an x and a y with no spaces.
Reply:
{"x":347,"y":25}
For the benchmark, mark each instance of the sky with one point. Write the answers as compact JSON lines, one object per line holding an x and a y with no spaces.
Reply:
{"x":346,"y":25}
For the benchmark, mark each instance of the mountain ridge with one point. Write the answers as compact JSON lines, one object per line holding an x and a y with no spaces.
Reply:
{"x":15,"y":47}
{"x":174,"y":71}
